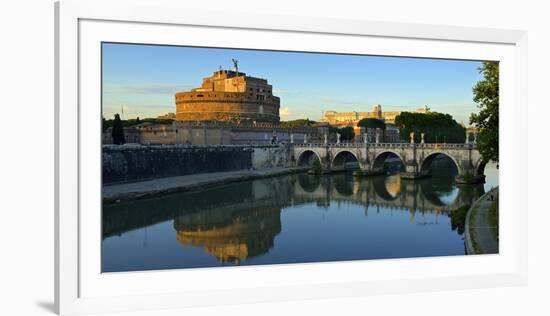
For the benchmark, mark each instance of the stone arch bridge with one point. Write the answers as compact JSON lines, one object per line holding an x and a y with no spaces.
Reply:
{"x":416,"y":158}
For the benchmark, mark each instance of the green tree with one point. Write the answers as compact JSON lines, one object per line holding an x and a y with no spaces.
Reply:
{"x":104,"y":124}
{"x":298,"y":123}
{"x":346,"y":133}
{"x":372,"y":123}
{"x":118,"y":131}
{"x":437,"y":127}
{"x":486,"y":96}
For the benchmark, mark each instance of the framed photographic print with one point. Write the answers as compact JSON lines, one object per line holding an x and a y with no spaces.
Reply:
{"x":219,"y":158}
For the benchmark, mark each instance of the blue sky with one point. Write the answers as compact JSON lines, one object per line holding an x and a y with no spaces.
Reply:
{"x":142,"y":79}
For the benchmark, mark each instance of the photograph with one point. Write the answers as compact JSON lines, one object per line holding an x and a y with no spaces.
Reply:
{"x":224,"y":157}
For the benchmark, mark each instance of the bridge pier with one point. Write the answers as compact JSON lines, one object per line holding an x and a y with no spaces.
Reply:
{"x":367,"y":172}
{"x":412,"y":171}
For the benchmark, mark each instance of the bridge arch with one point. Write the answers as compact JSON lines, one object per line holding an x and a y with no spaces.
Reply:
{"x":426,"y":163}
{"x":440,"y":192}
{"x":380,"y":158}
{"x":308,"y":183}
{"x":387,"y":188}
{"x":344,"y":157}
{"x":343,"y":186}
{"x":307,"y":157}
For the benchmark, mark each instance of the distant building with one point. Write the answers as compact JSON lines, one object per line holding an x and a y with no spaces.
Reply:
{"x":230,"y":96}
{"x":423,"y":110}
{"x":167,"y":116}
{"x":352,"y":118}
{"x":390,"y":135}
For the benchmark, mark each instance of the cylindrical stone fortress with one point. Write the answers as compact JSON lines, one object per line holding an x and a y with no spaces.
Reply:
{"x":229,"y":96}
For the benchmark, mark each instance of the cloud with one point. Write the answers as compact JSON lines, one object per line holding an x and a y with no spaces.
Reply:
{"x":150,"y":88}
{"x":283,"y":92}
{"x":284,"y":112}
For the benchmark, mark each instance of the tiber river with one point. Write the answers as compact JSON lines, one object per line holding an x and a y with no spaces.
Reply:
{"x":291,"y":219}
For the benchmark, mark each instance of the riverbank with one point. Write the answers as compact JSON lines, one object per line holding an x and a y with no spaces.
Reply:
{"x":480,"y":237}
{"x":155,"y":187}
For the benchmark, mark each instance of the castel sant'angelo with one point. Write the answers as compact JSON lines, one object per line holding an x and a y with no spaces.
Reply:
{"x":230,"y":96}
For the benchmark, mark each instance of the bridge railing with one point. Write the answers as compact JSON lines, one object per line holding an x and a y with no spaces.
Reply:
{"x":387,"y":145}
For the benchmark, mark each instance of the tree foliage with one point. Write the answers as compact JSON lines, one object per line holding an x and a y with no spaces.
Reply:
{"x":437,"y":127}
{"x":346,"y":133}
{"x":298,"y":123}
{"x":118,"y":131}
{"x":372,"y":123}
{"x":486,"y":96}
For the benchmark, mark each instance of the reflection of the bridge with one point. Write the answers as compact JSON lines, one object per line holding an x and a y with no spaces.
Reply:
{"x":428,"y":195}
{"x":237,"y":221}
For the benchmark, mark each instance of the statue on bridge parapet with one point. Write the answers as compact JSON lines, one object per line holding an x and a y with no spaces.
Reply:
{"x":411,"y":135}
{"x":337,"y":138}
{"x":422,"y":140}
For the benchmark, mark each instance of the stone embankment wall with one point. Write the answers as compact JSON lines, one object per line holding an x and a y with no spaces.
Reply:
{"x":134,"y":163}
{"x":129,"y":163}
{"x":265,"y":157}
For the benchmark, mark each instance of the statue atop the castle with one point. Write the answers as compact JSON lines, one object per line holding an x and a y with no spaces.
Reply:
{"x":235,"y":65}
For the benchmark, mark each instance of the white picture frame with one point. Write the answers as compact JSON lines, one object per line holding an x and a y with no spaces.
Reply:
{"x":81,"y":288}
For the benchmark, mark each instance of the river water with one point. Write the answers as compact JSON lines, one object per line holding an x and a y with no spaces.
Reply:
{"x":290,"y":219}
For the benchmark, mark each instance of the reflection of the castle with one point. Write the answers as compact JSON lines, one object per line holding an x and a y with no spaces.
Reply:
{"x":238,"y":221}
{"x":230,"y":235}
